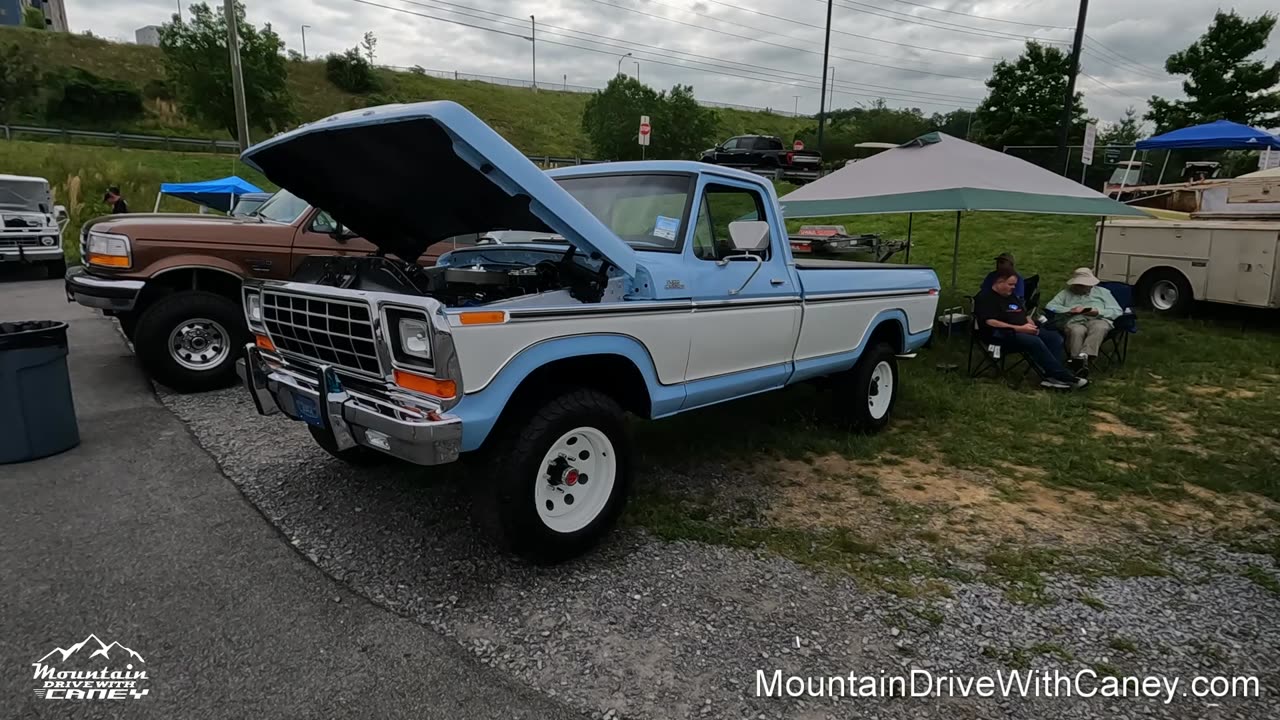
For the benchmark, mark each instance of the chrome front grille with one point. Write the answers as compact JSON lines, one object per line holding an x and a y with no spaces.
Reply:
{"x":323,"y":330}
{"x":12,"y":242}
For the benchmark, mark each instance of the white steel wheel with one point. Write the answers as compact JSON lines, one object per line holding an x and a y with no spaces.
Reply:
{"x":1165,"y":295}
{"x":575,"y":480}
{"x":880,"y":390}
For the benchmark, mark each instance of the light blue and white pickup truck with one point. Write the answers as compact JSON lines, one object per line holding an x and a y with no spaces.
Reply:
{"x":655,"y":288}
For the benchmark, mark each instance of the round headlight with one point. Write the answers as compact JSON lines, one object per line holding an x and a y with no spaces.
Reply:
{"x":48,"y":241}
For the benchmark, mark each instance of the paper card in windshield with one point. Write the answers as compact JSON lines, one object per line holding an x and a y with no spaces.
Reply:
{"x":666,"y":227}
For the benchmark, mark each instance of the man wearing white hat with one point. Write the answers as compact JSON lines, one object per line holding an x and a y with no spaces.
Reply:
{"x":1089,"y":314}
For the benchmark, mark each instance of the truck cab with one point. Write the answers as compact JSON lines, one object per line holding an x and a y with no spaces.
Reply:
{"x":651,"y":288}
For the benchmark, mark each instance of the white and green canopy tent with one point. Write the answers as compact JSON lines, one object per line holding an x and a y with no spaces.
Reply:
{"x":940,"y":173}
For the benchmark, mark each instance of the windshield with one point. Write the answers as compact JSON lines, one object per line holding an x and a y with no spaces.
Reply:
{"x":283,"y":207}
{"x":1127,"y":176}
{"x":647,"y":211}
{"x":30,"y":196}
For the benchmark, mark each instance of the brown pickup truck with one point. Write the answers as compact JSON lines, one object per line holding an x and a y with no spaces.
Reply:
{"x":174,"y":280}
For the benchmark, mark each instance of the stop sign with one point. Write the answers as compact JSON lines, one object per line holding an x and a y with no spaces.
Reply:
{"x":644,"y":128}
{"x":797,"y":145}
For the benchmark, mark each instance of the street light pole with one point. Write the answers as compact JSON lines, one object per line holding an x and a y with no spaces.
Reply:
{"x":620,"y":59}
{"x":237,"y":75}
{"x":533,"y":42}
{"x":822,"y":98}
{"x":304,"y":41}
{"x":637,"y":70}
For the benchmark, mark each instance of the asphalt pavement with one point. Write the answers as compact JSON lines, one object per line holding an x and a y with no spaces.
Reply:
{"x":136,"y":537}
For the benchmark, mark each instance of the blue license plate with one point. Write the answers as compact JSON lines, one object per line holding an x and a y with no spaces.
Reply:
{"x":308,"y":410}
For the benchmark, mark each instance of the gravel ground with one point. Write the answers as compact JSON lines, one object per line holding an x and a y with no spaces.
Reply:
{"x":648,"y":629}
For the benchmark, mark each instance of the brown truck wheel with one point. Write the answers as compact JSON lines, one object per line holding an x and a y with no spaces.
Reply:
{"x":190,"y":340}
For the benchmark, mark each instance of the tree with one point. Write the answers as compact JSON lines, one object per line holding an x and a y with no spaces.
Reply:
{"x":1222,"y":82}
{"x":957,"y":123}
{"x":351,"y":72}
{"x":611,"y":117}
{"x":682,"y":127}
{"x":1128,"y":131}
{"x":369,"y":44}
{"x":293,"y":55}
{"x":19,"y":81}
{"x":33,"y":18}
{"x":198,"y":65}
{"x":1024,"y":100}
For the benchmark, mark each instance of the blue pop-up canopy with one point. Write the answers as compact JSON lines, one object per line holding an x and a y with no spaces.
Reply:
{"x":1217,"y":135}
{"x":218,"y":194}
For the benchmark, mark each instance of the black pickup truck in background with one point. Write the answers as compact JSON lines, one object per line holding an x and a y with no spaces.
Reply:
{"x":768,"y":156}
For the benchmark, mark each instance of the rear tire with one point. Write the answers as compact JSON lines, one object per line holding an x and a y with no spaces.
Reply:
{"x":871,"y":389}
{"x":190,"y":340}
{"x":559,"y":477}
{"x":358,"y":456}
{"x":1167,"y":292}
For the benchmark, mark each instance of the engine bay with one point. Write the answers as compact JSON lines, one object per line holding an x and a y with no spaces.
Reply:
{"x":476,"y":276}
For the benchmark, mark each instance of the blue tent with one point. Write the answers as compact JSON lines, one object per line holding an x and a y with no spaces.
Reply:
{"x":1217,"y":135}
{"x":217,"y":194}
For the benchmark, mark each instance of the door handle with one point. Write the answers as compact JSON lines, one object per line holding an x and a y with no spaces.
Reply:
{"x":777,"y":281}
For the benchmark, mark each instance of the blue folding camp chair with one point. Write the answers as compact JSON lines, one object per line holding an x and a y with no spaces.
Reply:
{"x":1115,"y":347}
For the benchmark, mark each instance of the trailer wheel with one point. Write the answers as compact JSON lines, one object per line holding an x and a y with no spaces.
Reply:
{"x":1167,"y":292}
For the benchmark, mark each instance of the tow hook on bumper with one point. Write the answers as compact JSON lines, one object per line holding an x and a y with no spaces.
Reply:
{"x":355,"y":418}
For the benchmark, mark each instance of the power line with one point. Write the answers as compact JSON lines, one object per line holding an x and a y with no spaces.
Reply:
{"x":788,"y":47}
{"x":762,"y":30}
{"x":942,"y":24}
{"x":1118,"y":59}
{"x":684,"y":64}
{"x":630,"y":44}
{"x":842,"y":32}
{"x":983,"y":17}
{"x":1114,"y":91}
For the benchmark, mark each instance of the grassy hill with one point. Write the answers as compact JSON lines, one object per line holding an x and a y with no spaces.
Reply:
{"x":546,"y":122}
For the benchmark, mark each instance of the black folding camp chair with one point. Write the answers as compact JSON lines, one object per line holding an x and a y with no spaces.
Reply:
{"x":1115,"y":347}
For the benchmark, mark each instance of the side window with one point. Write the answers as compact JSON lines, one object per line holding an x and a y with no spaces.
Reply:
{"x":732,"y":144}
{"x":323,"y":223}
{"x":721,"y":205}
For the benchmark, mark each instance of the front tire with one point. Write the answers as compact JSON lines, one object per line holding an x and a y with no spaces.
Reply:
{"x":190,"y":340}
{"x":872,"y":389}
{"x":559,"y":478}
{"x":57,"y":269}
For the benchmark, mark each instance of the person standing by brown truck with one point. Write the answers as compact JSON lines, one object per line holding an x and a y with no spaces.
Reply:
{"x":173,"y":280}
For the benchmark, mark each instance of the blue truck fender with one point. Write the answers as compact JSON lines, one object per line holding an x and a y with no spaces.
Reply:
{"x":481,"y":410}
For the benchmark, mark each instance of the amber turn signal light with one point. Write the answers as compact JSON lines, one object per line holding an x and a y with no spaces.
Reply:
{"x":108,"y":260}
{"x":430,"y":386}
{"x":264,"y":342}
{"x":483,"y":317}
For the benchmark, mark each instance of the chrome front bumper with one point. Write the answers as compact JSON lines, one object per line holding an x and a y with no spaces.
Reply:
{"x":103,"y":293}
{"x":30,"y":253}
{"x":422,"y":437}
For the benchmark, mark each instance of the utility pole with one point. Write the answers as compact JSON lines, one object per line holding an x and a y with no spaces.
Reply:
{"x":1064,"y":126}
{"x":304,"y":41}
{"x":179,"y":10}
{"x":237,"y":75}
{"x":796,"y":111}
{"x":533,"y":42}
{"x":832,"y":103}
{"x":822,"y":98}
{"x":637,"y":62}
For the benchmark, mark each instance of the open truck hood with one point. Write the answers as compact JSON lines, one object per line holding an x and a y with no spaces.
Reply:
{"x":406,"y":176}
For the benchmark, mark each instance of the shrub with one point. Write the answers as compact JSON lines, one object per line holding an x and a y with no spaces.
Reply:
{"x":350,"y":71}
{"x":77,"y":95}
{"x":157,"y":89}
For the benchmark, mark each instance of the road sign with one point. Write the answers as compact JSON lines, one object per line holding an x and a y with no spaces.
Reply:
{"x":1090,"y":135}
{"x":645,"y":130}
{"x":797,"y":145}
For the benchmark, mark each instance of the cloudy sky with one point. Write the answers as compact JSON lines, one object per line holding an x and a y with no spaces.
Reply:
{"x":931,"y":54}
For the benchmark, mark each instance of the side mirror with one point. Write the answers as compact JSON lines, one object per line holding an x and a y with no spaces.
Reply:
{"x":60,"y":213}
{"x":341,"y":234}
{"x":749,"y":235}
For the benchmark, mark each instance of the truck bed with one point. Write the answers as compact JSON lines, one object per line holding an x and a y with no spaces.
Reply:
{"x":825,"y":264}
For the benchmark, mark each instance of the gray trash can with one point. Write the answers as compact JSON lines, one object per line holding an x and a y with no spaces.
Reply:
{"x":37,"y":416}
